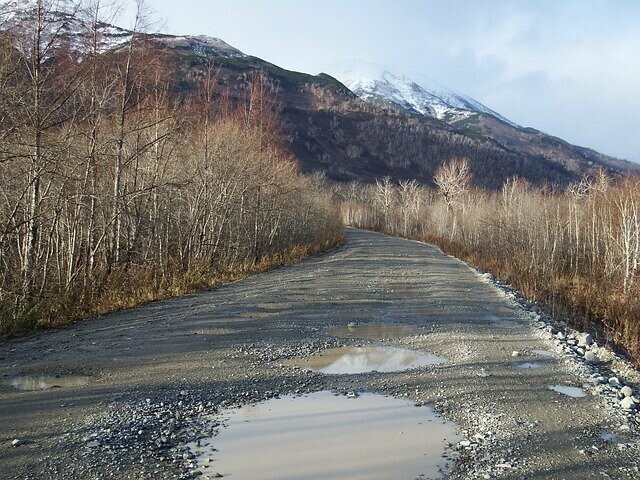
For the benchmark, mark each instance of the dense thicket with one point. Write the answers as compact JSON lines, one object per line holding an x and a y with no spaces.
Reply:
{"x":114,"y":190}
{"x":577,"y":251}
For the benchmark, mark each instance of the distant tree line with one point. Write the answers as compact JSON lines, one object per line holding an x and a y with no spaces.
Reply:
{"x":116,"y":190}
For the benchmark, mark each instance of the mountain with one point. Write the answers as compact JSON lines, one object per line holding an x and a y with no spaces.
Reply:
{"x":365,"y":129}
{"x":429,"y":98}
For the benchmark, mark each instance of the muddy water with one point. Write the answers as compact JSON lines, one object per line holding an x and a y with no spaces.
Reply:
{"x":44,"y":382}
{"x":370,"y":331}
{"x":366,"y":359}
{"x":574,"y":392}
{"x":323,"y":436}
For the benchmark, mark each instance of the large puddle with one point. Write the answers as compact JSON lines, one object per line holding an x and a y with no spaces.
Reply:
{"x":324,"y":436}
{"x":45,"y":382}
{"x":375,"y":331}
{"x":366,"y":359}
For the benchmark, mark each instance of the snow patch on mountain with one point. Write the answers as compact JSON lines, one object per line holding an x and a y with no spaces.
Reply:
{"x":425,"y":97}
{"x":74,"y":28}
{"x":200,"y":44}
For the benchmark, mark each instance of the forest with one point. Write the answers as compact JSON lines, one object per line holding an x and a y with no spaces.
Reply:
{"x":575,"y":250}
{"x":117,"y":190}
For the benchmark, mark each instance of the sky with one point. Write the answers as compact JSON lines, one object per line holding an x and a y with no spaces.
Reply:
{"x":570,"y":68}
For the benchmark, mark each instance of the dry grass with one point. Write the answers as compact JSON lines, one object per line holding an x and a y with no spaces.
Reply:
{"x":133,"y":287}
{"x":588,"y":303}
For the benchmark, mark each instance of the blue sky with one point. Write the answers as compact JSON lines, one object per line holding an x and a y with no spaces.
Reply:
{"x":568,"y":67}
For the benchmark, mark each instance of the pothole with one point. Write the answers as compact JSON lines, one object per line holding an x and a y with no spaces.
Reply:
{"x":336,"y":361}
{"x":528,"y":365}
{"x":573,"y":392}
{"x":375,"y":331}
{"x":46,"y":382}
{"x":322,"y":435}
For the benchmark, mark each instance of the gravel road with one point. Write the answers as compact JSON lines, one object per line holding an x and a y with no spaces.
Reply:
{"x":156,"y":373}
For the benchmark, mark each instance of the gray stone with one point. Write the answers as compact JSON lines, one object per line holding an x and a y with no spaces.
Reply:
{"x":17,"y":442}
{"x":585,"y":339}
{"x":627,"y":403}
{"x":591,"y":357}
{"x":614,"y":381}
{"x":626,"y":391}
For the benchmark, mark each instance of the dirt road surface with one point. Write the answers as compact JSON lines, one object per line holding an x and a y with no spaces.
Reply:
{"x":154,"y":373}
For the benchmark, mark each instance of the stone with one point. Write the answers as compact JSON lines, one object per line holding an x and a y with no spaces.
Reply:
{"x":626,"y":391}
{"x":17,"y":442}
{"x":585,"y":339}
{"x":515,"y":353}
{"x":627,"y":403}
{"x":591,"y":357}
{"x":614,"y":381}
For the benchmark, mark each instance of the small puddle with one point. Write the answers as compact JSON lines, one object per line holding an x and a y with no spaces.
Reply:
{"x":528,"y":365}
{"x":371,"y":437}
{"x":46,"y":382}
{"x":337,"y":361}
{"x":611,"y":437}
{"x":371,"y":331}
{"x":573,"y":392}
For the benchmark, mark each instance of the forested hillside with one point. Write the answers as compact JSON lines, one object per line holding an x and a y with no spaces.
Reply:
{"x":117,"y":190}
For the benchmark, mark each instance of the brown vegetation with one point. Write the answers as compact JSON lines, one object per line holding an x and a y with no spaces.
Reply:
{"x":115,"y":190}
{"x":575,"y":251}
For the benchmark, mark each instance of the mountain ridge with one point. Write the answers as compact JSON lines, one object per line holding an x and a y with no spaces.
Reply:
{"x":333,"y":131}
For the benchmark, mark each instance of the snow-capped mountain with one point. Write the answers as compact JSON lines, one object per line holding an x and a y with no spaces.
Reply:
{"x":426,"y":97}
{"x":63,"y":23}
